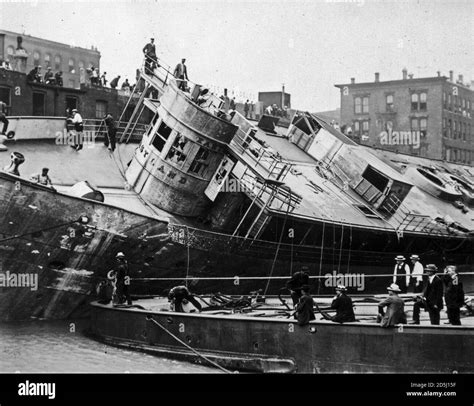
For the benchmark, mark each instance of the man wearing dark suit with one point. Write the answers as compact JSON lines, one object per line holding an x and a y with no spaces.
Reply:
{"x":432,"y":300}
{"x":304,"y":310}
{"x":298,"y":279}
{"x":181,"y":73}
{"x":453,"y":295}
{"x":343,"y":306}
{"x":150,"y":56}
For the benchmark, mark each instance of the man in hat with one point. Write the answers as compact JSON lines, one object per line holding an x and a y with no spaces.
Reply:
{"x":298,"y":279}
{"x":395,"y":308}
{"x":453,"y":295}
{"x":401,"y":273}
{"x":304,"y":310}
{"x":343,"y":306}
{"x":416,"y":274}
{"x":122,"y":280}
{"x":432,"y":297}
{"x":181,"y":73}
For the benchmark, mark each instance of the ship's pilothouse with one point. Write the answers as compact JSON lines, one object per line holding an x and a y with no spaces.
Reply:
{"x":194,"y":147}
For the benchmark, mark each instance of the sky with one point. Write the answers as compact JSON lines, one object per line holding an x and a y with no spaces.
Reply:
{"x":249,"y":46}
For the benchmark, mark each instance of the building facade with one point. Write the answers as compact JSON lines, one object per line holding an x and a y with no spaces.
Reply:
{"x":430,"y":117}
{"x":24,"y":52}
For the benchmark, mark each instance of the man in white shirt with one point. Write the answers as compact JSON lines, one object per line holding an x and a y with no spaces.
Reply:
{"x":416,"y":274}
{"x":79,"y":128}
{"x":401,"y":273}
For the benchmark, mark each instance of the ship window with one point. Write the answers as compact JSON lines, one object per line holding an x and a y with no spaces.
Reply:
{"x":366,"y":211}
{"x":176,"y":153}
{"x":162,"y":136}
{"x":200,"y":162}
{"x":375,"y":178}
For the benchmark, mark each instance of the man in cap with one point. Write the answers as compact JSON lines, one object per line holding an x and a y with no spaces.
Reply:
{"x":453,"y":295}
{"x":298,"y":279}
{"x":343,"y":306}
{"x":395,"y":308}
{"x":180,"y":295}
{"x":401,"y":273}
{"x":150,"y":56}
{"x":304,"y":310}
{"x":416,"y":274}
{"x":122,"y":280}
{"x":181,"y":73}
{"x":432,"y":297}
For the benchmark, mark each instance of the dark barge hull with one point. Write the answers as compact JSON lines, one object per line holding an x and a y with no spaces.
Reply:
{"x":280,"y":345}
{"x":39,"y":235}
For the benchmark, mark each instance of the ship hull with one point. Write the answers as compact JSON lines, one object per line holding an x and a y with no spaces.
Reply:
{"x":260,"y":344}
{"x":40,"y":234}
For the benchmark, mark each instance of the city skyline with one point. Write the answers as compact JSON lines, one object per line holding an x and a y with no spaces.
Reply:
{"x":250,"y":47}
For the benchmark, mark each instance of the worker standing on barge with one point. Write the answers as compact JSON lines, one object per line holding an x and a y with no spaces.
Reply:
{"x":304,"y":310}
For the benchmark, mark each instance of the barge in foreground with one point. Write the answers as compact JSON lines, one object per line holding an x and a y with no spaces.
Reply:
{"x":262,"y":338}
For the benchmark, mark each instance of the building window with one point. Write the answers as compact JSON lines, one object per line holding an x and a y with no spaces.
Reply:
{"x":445,"y":100}
{"x":423,"y":101}
{"x":176,"y":153}
{"x":72,"y":83}
{"x":423,"y":126}
{"x":5,"y":96}
{"x":57,"y":62}
{"x":449,"y":128}
{"x":71,"y":102}
{"x":356,"y":127}
{"x":414,"y":101}
{"x":161,"y":136}
{"x":358,"y":105}
{"x":389,"y":102}
{"x":464,"y":131}
{"x":200,"y":162}
{"x":71,"y":65}
{"x":47,"y":60}
{"x":10,"y":52}
{"x":450,"y":106}
{"x":365,"y":105}
{"x":38,"y":104}
{"x":455,"y":129}
{"x":414,"y":124}
{"x":36,"y":58}
{"x":445,"y":129}
{"x":100,"y":109}
{"x":365,"y":126}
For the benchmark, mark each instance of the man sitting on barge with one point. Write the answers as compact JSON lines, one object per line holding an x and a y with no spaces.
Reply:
{"x":180,"y":295}
{"x":395,"y":308}
{"x":343,"y":306}
{"x":304,"y":310}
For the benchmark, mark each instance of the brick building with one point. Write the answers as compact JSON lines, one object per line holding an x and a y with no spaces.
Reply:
{"x":24,"y":52}
{"x":430,"y":117}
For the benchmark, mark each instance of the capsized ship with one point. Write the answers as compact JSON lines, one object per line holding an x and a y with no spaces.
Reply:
{"x":213,"y":199}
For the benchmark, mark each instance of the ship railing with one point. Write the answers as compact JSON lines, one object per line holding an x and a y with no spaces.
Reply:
{"x":266,"y":194}
{"x":98,"y":129}
{"x":259,"y":157}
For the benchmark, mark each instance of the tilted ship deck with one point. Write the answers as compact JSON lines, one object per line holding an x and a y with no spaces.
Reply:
{"x":213,"y":199}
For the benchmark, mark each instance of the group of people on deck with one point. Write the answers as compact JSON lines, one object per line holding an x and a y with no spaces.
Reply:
{"x":391,"y":311}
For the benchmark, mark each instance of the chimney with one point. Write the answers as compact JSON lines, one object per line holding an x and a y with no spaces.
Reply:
{"x":461,"y":79}
{"x":353,"y":80}
{"x":377,"y":76}
{"x":410,"y":75}
{"x":405,"y":72}
{"x":451,"y":76}
{"x":439,"y":73}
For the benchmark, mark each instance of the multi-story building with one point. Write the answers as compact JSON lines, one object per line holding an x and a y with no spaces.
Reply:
{"x":24,"y":52}
{"x":430,"y":117}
